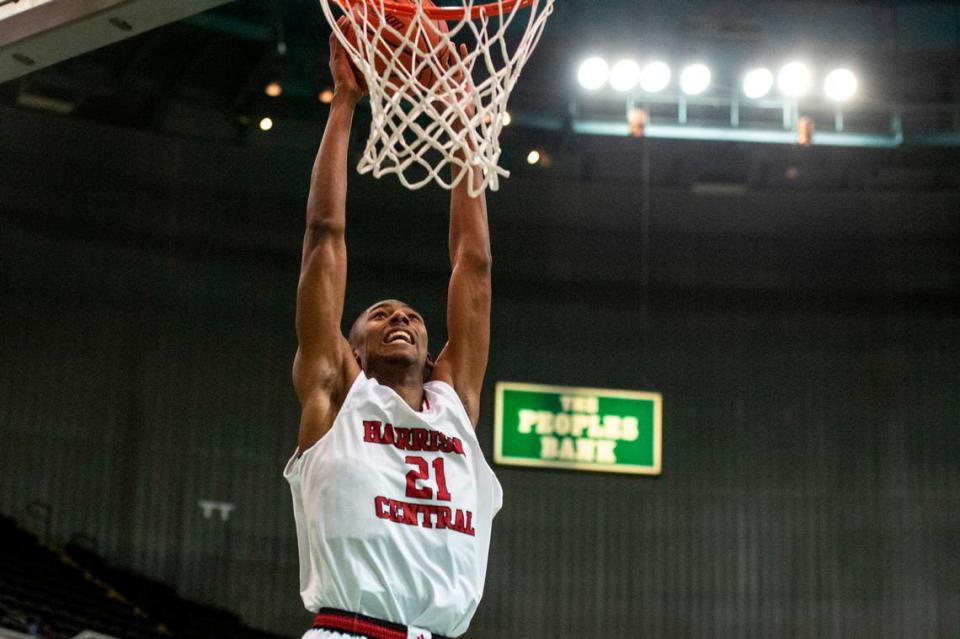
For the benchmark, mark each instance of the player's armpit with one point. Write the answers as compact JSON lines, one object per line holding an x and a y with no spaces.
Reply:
{"x":316,"y":418}
{"x":327,"y":374}
{"x":322,"y":386}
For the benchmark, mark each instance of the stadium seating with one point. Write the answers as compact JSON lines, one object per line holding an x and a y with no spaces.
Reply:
{"x":57,"y":593}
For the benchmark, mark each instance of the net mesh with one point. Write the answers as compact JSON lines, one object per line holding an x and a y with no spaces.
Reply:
{"x":438,"y":110}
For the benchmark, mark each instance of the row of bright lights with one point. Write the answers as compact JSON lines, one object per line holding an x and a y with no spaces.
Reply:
{"x":794,"y":80}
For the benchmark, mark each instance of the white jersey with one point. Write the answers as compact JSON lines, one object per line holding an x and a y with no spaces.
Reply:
{"x":393,"y":510}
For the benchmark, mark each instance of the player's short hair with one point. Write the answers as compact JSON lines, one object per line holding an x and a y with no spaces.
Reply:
{"x":354,"y":334}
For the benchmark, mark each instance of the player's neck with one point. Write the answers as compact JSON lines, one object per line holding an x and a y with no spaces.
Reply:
{"x":407,"y":382}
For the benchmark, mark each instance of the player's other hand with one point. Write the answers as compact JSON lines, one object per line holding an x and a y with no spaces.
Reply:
{"x":347,"y":81}
{"x":460,"y":90}
{"x":467,"y":92}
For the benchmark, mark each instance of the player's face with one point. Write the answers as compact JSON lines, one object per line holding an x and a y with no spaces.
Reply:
{"x":396,"y":332}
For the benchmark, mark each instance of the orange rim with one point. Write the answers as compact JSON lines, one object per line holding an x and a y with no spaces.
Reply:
{"x":441,"y":13}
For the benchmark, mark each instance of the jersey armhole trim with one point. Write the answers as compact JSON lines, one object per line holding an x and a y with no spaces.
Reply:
{"x":291,"y":471}
{"x":451,"y":392}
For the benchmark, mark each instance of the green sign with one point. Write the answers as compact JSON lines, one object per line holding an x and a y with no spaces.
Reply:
{"x":578,"y":428}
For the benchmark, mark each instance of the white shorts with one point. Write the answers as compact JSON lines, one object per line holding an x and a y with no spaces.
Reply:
{"x":315,"y":633}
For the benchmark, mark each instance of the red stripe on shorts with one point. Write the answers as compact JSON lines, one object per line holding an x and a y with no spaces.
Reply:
{"x":342,"y":621}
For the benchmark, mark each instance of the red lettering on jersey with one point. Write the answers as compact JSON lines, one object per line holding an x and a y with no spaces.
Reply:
{"x":426,"y":510}
{"x":459,"y":524}
{"x":396,"y":511}
{"x":419,"y":439}
{"x":444,"y":444}
{"x":371,"y":432}
{"x":378,"y":504}
{"x":443,"y":517}
{"x":410,"y":514}
{"x":438,"y":517}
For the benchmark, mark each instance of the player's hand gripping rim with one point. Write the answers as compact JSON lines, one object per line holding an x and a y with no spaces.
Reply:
{"x":348,"y":83}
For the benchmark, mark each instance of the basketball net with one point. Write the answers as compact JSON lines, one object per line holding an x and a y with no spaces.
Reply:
{"x":438,"y":114}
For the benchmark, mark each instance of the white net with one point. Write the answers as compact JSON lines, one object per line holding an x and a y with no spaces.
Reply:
{"x":438,"y":108}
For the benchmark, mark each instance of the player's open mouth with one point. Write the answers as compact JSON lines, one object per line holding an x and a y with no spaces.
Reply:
{"x":398,"y":335}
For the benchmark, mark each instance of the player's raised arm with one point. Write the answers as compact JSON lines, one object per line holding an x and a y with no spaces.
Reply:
{"x":463,"y":361}
{"x":324,"y":367}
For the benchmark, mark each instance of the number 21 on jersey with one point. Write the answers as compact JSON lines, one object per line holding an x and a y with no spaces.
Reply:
{"x":422,"y":473}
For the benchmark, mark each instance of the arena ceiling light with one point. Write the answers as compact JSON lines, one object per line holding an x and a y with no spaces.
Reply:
{"x":273,"y":89}
{"x":757,"y":83}
{"x":794,"y":80}
{"x":695,"y":79}
{"x":266,"y":124}
{"x":624,"y":75}
{"x":840,"y":85}
{"x":593,"y":73}
{"x":654,"y":77}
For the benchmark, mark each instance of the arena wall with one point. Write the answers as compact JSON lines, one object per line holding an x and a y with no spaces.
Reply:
{"x":806,"y":343}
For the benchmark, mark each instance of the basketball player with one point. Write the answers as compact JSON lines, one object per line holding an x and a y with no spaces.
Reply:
{"x":392,"y":497}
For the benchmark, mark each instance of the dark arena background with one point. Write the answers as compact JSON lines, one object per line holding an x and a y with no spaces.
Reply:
{"x":796,"y":304}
